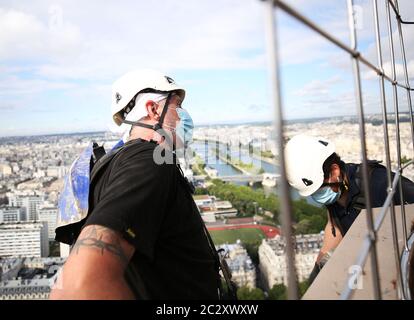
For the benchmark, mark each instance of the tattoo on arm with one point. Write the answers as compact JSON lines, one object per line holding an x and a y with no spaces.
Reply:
{"x":103,"y":239}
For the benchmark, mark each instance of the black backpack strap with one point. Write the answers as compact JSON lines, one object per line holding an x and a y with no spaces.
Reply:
{"x":98,"y":151}
{"x":104,"y":160}
{"x":219,"y":258}
{"x":221,"y":264}
{"x":359,"y":201}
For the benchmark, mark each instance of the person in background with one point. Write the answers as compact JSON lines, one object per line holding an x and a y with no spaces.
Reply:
{"x":315,"y":169}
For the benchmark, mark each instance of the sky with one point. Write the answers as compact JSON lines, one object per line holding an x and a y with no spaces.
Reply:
{"x":58,"y":59}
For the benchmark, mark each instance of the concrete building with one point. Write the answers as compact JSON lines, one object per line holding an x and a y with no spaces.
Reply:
{"x":5,"y":169}
{"x":241,"y":266}
{"x":211,"y":208}
{"x":43,"y":263}
{"x":56,"y":171}
{"x":272,"y":258}
{"x":24,"y":239}
{"x":9,"y":268}
{"x":29,"y":202}
{"x":12,"y":214}
{"x":203,"y":200}
{"x":48,"y":213}
{"x":33,"y":184}
{"x":33,"y":289}
{"x":29,"y":278}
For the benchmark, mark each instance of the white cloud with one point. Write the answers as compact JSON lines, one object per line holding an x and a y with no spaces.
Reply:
{"x":115,"y":38}
{"x":24,"y":36}
{"x":399,"y":71}
{"x":14,"y":86}
{"x":318,"y":87}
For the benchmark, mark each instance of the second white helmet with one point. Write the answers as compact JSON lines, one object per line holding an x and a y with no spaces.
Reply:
{"x":304,"y":156}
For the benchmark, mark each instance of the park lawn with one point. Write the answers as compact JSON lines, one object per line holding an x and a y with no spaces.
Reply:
{"x":231,"y":236}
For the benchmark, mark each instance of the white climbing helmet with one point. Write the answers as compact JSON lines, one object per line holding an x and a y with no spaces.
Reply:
{"x":304,"y":156}
{"x":130,"y":84}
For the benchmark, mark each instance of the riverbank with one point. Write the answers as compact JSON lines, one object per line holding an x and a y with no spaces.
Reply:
{"x":245,"y":170}
{"x":270,"y":161}
{"x":246,"y":152}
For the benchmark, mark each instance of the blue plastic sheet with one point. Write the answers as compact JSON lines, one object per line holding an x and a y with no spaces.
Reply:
{"x":74,"y":199}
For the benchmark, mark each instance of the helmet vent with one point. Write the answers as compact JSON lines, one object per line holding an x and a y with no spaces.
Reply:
{"x":170,"y":80}
{"x":323,"y":142}
{"x":118,"y":97}
{"x":307,"y":182}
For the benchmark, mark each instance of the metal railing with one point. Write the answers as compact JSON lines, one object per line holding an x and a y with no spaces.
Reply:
{"x":369,"y":244}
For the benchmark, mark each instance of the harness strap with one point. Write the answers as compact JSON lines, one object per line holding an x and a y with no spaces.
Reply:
{"x":359,"y":201}
{"x":98,"y":151}
{"x":220,"y":262}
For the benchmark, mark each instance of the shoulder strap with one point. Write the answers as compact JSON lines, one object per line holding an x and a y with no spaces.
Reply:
{"x":98,"y":151}
{"x":221,"y":263}
{"x":103,"y":159}
{"x":359,"y":201}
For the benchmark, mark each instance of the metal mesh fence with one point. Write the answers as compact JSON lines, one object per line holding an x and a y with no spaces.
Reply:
{"x":368,"y":247}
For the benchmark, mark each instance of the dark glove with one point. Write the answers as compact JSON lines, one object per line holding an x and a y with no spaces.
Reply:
{"x":318,"y":267}
{"x":314,"y":273}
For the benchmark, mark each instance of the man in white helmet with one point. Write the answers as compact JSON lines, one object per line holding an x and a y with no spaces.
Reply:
{"x":143,"y":237}
{"x":314,"y":169}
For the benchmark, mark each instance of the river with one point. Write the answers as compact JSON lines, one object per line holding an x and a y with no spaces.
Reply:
{"x":224,"y":169}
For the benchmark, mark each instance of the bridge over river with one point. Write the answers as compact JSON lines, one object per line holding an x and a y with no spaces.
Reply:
{"x":245,"y":178}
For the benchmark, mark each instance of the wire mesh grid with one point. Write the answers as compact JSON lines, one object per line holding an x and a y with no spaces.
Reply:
{"x":369,"y":244}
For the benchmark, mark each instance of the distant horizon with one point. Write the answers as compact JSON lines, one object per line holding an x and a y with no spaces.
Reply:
{"x":258,"y":122}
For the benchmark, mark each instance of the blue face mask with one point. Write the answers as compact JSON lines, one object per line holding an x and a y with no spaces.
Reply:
{"x":185,"y":126}
{"x":326,"y":196}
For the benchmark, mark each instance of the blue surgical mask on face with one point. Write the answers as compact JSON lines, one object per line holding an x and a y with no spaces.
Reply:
{"x":185,"y":126}
{"x":326,"y":195}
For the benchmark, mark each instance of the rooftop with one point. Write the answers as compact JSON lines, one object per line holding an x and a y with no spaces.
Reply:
{"x":21,"y":225}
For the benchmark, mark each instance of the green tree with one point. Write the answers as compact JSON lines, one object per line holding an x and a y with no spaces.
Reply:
{"x":200,"y":191}
{"x":303,"y":287}
{"x":404,"y":160}
{"x":245,"y":293}
{"x":278,"y":292}
{"x":309,"y":218}
{"x":252,"y":249}
{"x":303,"y":226}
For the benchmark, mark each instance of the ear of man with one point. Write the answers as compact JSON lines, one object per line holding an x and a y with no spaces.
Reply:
{"x":152,"y":110}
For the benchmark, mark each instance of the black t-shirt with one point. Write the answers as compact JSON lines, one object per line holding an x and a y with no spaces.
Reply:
{"x":150,"y":205}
